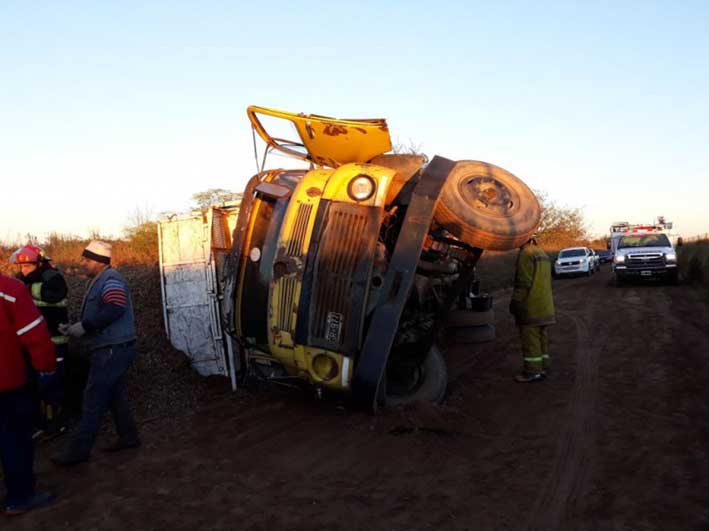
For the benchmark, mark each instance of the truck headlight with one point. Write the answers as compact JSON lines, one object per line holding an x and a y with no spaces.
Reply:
{"x":361,"y":187}
{"x":671,"y":257}
{"x":325,"y":367}
{"x":619,"y":259}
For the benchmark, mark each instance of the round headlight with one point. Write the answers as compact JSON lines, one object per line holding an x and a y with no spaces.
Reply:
{"x":361,"y":187}
{"x":324,"y":367}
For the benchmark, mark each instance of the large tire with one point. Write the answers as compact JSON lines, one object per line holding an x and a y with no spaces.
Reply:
{"x":467,"y":318}
{"x":487,"y":207}
{"x":428,"y":382}
{"x":472,"y":334}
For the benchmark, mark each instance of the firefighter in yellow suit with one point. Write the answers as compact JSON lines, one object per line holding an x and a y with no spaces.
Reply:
{"x":532,"y":305}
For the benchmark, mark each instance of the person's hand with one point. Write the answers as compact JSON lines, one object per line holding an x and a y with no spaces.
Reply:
{"x":74,"y":330}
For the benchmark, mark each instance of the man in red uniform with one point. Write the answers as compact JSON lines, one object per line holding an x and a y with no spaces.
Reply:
{"x":22,"y":328}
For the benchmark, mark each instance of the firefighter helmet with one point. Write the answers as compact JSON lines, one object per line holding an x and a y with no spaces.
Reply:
{"x":29,"y":254}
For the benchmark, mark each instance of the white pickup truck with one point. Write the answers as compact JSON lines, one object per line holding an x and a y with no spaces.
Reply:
{"x":576,"y":261}
{"x":644,"y":256}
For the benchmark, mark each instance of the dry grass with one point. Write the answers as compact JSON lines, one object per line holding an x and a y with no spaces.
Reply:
{"x":496,"y":269}
{"x":693,"y":261}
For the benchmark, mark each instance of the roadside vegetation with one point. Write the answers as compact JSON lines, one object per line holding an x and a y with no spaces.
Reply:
{"x":560,"y":227}
{"x":693,"y":261}
{"x":138,"y":247}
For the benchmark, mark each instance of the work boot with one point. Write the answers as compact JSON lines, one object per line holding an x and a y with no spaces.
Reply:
{"x":530,"y":377}
{"x":69,"y":457}
{"x":37,"y":500}
{"x":121,"y":445}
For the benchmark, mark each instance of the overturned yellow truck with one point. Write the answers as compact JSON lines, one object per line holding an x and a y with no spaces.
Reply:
{"x":342,"y":274}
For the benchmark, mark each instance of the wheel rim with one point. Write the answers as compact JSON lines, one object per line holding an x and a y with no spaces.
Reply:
{"x":404,"y":379}
{"x":488,"y":195}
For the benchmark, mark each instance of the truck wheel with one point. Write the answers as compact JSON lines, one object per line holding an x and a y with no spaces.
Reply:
{"x":468,"y":318}
{"x":473,"y":334}
{"x":487,"y":207}
{"x":407,"y":383}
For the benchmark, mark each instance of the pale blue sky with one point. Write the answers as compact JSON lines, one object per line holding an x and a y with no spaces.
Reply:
{"x":108,"y":107}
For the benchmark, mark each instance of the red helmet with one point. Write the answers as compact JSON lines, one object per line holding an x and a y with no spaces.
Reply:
{"x":29,"y":254}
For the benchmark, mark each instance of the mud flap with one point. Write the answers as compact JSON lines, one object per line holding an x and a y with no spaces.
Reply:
{"x":368,"y":381}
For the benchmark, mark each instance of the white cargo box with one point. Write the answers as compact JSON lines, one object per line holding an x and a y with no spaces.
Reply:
{"x":192,"y":249}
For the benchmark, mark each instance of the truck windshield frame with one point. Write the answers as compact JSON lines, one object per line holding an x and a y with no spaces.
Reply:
{"x":644,"y":240}
{"x":572,"y":253}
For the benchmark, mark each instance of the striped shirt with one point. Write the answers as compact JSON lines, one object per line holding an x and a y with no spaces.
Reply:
{"x":114,"y":292}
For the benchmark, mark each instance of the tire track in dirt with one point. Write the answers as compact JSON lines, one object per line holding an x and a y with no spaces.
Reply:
{"x":569,"y":480}
{"x":459,"y":366}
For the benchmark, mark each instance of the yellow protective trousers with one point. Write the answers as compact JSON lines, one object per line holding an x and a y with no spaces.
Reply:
{"x":535,"y":347}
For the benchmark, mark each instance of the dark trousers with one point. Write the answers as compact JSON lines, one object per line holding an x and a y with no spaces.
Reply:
{"x":104,"y":391}
{"x":76,"y":372}
{"x":17,"y":415}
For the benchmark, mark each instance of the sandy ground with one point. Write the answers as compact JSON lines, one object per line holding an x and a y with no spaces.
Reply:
{"x":616,"y":438}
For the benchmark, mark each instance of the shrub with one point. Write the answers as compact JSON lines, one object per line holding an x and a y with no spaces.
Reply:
{"x":693,"y":262}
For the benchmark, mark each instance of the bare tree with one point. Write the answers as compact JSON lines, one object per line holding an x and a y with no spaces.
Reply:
{"x":560,"y":226}
{"x":214,"y":196}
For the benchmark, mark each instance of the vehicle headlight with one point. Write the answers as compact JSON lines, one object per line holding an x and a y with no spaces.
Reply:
{"x":361,"y":187}
{"x":671,"y":257}
{"x":325,"y":367}
{"x":558,"y":262}
{"x":619,"y":259}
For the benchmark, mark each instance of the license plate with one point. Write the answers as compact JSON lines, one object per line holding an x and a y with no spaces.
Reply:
{"x":645,"y":273}
{"x":333,"y":329}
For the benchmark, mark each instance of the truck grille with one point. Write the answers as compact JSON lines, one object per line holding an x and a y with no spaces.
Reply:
{"x":342,"y":246}
{"x":297,"y":237}
{"x":286,"y":285}
{"x":645,"y":261}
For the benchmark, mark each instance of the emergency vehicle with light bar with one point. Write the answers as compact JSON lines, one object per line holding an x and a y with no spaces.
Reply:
{"x":643,"y":251}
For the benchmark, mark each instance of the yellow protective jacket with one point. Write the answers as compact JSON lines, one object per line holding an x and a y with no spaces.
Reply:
{"x":532,"y":302}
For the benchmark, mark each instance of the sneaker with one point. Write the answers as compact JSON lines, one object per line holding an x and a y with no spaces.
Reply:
{"x":530,"y":377}
{"x":37,"y":500}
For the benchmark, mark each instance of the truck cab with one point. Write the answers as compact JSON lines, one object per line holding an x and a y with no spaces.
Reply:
{"x":645,"y":254}
{"x":343,"y":272}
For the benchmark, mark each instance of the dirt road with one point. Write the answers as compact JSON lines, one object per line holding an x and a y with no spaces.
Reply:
{"x":616,"y":438}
